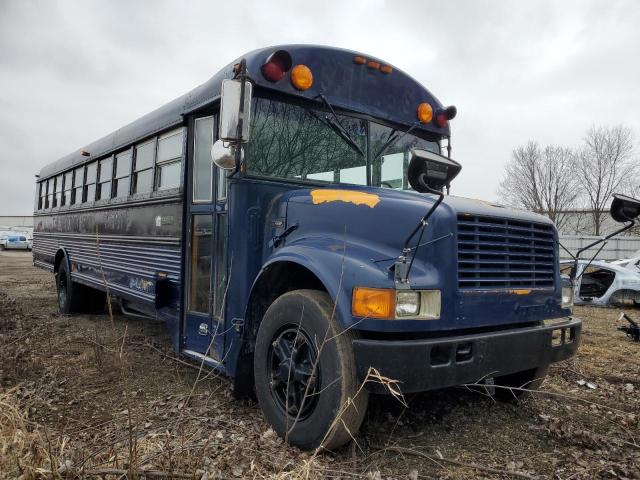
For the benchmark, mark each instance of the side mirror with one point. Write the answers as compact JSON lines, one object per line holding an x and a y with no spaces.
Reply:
{"x":224,"y":156}
{"x":231,"y":111}
{"x":624,"y":208}
{"x":431,"y":171}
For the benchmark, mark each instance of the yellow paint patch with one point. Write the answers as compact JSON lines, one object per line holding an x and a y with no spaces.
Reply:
{"x":349,"y":196}
{"x":523,"y":291}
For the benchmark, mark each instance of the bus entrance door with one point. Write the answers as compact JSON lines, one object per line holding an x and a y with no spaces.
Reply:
{"x":203,"y":332}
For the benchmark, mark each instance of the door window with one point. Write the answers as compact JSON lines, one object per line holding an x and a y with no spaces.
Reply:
{"x":200,"y":284}
{"x":202,"y":168}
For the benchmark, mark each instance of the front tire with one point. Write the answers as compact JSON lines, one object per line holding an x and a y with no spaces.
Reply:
{"x":305,"y":375}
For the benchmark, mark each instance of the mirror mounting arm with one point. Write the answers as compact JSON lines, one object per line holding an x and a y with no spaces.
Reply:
{"x":240,"y":71}
{"x":401,"y":269}
{"x":602,"y":240}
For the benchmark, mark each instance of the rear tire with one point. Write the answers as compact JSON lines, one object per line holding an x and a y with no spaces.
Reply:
{"x":289,"y":342}
{"x":527,"y":379}
{"x":74,"y":297}
{"x":68,"y":291}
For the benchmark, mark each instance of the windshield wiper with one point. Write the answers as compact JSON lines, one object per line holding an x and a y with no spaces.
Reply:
{"x":393,"y":138}
{"x":335,"y":125}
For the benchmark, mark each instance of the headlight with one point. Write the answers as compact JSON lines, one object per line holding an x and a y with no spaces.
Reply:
{"x":567,"y":296}
{"x":407,"y":303}
{"x":388,"y":303}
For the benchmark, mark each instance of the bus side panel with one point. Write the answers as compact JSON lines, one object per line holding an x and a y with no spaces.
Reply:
{"x":136,"y":250}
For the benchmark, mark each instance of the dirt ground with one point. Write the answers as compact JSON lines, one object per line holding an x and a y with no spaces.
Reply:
{"x":82,"y":396}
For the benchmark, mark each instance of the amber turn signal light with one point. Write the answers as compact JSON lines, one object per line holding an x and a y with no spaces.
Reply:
{"x":373,"y":302}
{"x":425,"y":112}
{"x":301,"y":77}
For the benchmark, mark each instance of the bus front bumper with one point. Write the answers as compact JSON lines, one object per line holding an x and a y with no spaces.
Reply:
{"x":428,"y":364}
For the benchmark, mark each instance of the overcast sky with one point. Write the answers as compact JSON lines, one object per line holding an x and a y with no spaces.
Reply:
{"x":73,"y":71}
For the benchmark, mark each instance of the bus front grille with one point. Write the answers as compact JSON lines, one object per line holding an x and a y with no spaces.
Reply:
{"x":503,"y":253}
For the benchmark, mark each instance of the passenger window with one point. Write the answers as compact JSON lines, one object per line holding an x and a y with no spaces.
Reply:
{"x":68,"y":183}
{"x":90,"y":182}
{"x":78,"y":182}
{"x":105,"y":174}
{"x":202,"y":160}
{"x":49,"y":201}
{"x":143,"y":172}
{"x":123,"y":169}
{"x":200,"y":285}
{"x":42,"y":195}
{"x":57,"y":189}
{"x":169,"y":160}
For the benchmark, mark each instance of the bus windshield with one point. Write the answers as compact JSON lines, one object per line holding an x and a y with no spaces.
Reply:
{"x":294,"y":141}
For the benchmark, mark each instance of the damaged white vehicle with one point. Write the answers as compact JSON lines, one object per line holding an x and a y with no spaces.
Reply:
{"x":603,"y":283}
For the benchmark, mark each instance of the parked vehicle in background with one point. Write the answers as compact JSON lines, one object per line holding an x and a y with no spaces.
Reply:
{"x":14,"y":242}
{"x":603,"y":283}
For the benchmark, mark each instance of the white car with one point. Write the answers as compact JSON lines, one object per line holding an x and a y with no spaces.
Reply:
{"x":14,"y":242}
{"x":603,"y":283}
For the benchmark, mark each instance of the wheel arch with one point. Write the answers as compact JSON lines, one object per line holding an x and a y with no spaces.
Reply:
{"x":61,"y":256}
{"x":276,"y":278}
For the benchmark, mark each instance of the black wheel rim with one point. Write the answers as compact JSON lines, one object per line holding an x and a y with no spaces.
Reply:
{"x":294,"y":380}
{"x":62,"y":292}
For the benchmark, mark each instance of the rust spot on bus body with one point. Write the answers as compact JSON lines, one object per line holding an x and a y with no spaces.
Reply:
{"x":348,"y":196}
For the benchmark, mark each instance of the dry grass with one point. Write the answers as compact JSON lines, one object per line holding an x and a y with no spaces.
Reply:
{"x":106,"y":400}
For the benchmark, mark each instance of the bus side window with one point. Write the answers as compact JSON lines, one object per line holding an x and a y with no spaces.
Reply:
{"x":66,"y":192}
{"x":41,"y":200}
{"x":104,"y":179}
{"x":143,"y":171}
{"x":123,"y":169}
{"x":49,"y":198}
{"x":169,"y":160}
{"x":90,"y":182}
{"x":57,"y":197}
{"x":78,"y":182}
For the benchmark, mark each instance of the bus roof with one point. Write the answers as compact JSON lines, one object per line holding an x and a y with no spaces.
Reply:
{"x":392,"y":96}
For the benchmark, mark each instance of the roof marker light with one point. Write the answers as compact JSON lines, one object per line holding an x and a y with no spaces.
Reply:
{"x":359,"y":60}
{"x":373,"y":64}
{"x":425,"y":112}
{"x":386,"y":69}
{"x":276,"y":66}
{"x":443,"y":116}
{"x":301,"y":77}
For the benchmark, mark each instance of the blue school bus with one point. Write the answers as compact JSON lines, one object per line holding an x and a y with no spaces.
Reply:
{"x":290,"y":222}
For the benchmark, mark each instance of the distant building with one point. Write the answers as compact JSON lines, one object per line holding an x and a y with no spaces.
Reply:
{"x":11,"y":222}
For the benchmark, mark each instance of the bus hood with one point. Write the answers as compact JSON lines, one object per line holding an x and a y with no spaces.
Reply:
{"x":353,"y":235}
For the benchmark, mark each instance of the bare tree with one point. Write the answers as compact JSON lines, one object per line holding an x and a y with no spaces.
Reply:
{"x":541,"y":180}
{"x":605,"y":166}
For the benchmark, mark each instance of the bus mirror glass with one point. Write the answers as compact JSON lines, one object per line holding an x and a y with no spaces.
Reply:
{"x":223,"y":155}
{"x":624,"y":208}
{"x":430,"y":171}
{"x":230,"y":110}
